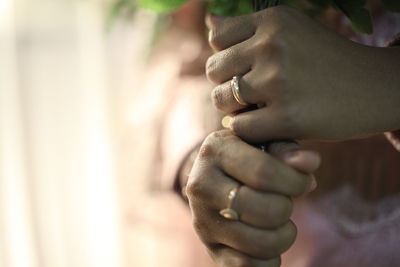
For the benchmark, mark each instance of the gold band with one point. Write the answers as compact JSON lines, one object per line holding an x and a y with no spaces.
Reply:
{"x":230,"y":213}
{"x":236,"y":90}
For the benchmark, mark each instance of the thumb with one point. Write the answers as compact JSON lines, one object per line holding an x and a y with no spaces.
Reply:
{"x":290,"y":152}
{"x":305,"y":161}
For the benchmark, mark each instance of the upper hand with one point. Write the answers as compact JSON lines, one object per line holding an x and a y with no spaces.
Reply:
{"x":308,"y":81}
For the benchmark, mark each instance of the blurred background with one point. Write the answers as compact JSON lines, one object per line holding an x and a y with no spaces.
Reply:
{"x":69,"y":159}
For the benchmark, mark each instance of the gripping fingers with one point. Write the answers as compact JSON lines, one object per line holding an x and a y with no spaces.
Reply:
{"x":255,"y":168}
{"x":228,"y":257}
{"x":258,"y":209}
{"x":253,"y":242}
{"x":224,"y":100}
{"x":232,"y":31}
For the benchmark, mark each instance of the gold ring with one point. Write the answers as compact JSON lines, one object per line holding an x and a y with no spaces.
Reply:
{"x":236,"y":90}
{"x":230,"y":213}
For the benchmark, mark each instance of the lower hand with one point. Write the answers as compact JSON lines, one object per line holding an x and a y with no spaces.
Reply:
{"x":268,"y":182}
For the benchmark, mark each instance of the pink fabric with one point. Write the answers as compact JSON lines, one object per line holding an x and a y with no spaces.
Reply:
{"x":322,"y":242}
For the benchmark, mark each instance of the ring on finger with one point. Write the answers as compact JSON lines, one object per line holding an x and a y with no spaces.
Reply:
{"x":235,"y":87}
{"x":229,"y":213}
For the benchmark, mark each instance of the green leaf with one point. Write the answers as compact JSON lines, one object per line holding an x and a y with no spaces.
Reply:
{"x":392,"y":5}
{"x":230,"y":7}
{"x":321,"y":3}
{"x":350,"y":5}
{"x":361,"y":21}
{"x":359,"y":16}
{"x":161,"y":5}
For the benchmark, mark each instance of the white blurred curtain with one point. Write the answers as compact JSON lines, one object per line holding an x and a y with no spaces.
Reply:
{"x":59,"y":203}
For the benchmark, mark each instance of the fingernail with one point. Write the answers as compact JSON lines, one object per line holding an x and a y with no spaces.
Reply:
{"x":313,"y":185}
{"x":290,"y":155}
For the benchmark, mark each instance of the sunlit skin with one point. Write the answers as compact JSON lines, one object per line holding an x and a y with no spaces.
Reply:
{"x":311,"y":82}
{"x":264,"y":201}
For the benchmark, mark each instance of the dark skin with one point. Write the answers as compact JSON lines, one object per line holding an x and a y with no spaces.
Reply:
{"x":268,"y":181}
{"x":310,"y":82}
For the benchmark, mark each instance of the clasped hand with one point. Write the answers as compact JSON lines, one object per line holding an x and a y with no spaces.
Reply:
{"x":309,"y":82}
{"x":264,"y":200}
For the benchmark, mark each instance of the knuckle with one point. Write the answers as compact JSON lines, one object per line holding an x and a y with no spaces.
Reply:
{"x":215,"y":39}
{"x":206,"y":150}
{"x":267,"y":46}
{"x":194,"y":188}
{"x":209,"y":148}
{"x":217,"y":136}
{"x":218,"y":98}
{"x":277,"y":78}
{"x":211,"y":68}
{"x":279,"y":14}
{"x":198,"y":188}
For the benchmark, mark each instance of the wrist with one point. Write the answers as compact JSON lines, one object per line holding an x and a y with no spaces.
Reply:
{"x":378,"y":76}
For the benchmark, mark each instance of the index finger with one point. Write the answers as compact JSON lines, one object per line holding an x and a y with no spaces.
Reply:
{"x":255,"y":168}
{"x":231,"y":31}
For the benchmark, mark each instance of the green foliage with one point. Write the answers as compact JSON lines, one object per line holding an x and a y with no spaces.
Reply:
{"x":354,"y":10}
{"x":229,"y":7}
{"x":392,"y":5}
{"x":358,"y":15}
{"x":161,"y":5}
{"x":361,"y":20}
